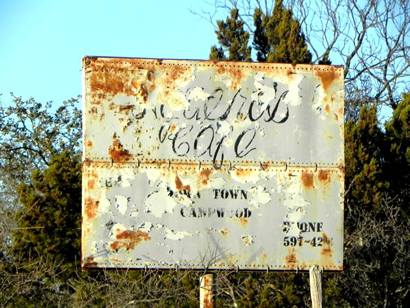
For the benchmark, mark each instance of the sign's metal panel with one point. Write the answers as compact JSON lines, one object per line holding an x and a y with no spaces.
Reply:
{"x":212,"y":164}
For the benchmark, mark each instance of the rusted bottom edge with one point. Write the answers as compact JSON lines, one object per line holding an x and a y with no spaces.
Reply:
{"x":211,"y":269}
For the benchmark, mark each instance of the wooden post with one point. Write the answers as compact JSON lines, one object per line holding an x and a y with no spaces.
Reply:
{"x":315,"y":279}
{"x":206,"y":297}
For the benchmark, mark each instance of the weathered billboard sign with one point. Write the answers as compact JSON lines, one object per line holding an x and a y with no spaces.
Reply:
{"x":219,"y":165}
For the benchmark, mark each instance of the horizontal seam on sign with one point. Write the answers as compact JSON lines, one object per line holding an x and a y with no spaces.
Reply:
{"x":208,"y":164}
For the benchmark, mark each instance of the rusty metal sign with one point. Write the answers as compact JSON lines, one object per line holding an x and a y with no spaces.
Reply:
{"x":218,"y":165}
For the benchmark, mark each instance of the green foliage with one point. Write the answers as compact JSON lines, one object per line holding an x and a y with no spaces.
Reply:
{"x":276,"y":38}
{"x":398,"y":152}
{"x":260,"y":40}
{"x":49,"y":218}
{"x":363,"y":152}
{"x":398,"y":129}
{"x":377,"y":239}
{"x":233,"y":39}
{"x":279,"y":37}
{"x":31,"y":132}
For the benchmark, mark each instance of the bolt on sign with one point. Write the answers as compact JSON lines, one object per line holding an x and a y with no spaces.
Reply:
{"x":218,"y":165}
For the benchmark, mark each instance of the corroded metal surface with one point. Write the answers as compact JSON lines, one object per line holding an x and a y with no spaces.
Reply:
{"x":206,"y":297}
{"x":212,"y":164}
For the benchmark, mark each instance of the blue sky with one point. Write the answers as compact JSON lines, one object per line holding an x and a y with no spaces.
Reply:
{"x":43,"y":41}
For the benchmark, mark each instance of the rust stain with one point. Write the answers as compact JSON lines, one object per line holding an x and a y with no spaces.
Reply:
{"x":224,"y":232}
{"x":117,"y":152}
{"x":172,"y":128}
{"x":290,"y":73}
{"x":91,"y":207}
{"x":143,"y":92}
{"x":240,"y":172}
{"x":265,"y":165}
{"x":243,"y":221}
{"x":180,"y":186}
{"x":88,"y":143}
{"x":326,"y":250}
{"x":126,"y":108}
{"x":176,"y":72}
{"x":89,"y":262}
{"x":241,"y":117}
{"x":208,"y":303}
{"x":108,"y":81}
{"x":307,"y":179}
{"x":173,"y":73}
{"x":340,"y":113}
{"x":235,"y":74}
{"x":341,"y":167}
{"x":87,"y":162}
{"x":324,"y":176}
{"x":290,"y":259}
{"x":327,"y":77}
{"x":204,"y":176}
{"x":150,"y":76}
{"x":91,"y":184}
{"x":327,"y":108}
{"x":128,"y":239}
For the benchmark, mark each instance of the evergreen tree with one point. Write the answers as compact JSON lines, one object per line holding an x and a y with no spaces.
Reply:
{"x":260,"y":40}
{"x":233,"y":40}
{"x":398,"y":152}
{"x":363,"y":155}
{"x":276,"y":38}
{"x":49,"y":219}
{"x":279,"y":37}
{"x":376,"y":227}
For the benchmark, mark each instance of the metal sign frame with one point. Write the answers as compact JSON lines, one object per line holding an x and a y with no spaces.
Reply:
{"x":217,"y":165}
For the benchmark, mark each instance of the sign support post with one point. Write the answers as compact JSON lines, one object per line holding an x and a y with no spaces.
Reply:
{"x":206,"y":296}
{"x":315,"y":281}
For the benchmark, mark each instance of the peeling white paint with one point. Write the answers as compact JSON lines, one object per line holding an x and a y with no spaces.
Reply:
{"x":236,"y":213}
{"x":198,"y":94}
{"x":121,"y":203}
{"x":294,"y":96}
{"x":266,"y":91}
{"x":248,"y":239}
{"x":245,"y":175}
{"x":104,"y":205}
{"x":294,"y":201}
{"x":145,"y":226}
{"x":159,"y":203}
{"x":127,"y":175}
{"x":258,"y":196}
{"x":124,"y":100}
{"x":116,"y":229}
{"x":175,"y":235}
{"x":224,"y":128}
{"x":153,"y":174}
